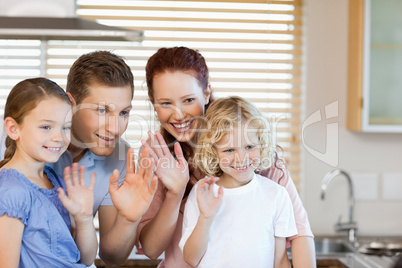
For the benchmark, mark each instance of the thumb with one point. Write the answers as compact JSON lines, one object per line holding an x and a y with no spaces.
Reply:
{"x":63,"y":197}
{"x":114,"y":180}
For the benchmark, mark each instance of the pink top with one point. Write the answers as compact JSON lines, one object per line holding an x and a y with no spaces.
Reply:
{"x":173,"y":255}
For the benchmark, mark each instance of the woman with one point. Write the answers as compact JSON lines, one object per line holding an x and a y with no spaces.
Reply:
{"x":178,"y":87}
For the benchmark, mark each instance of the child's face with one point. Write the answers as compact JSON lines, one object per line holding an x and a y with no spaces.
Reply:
{"x":45,"y":131}
{"x":179,"y":101}
{"x":239,"y":155}
{"x":101,"y":118}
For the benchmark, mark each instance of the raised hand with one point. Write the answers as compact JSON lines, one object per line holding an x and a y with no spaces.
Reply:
{"x":79,"y":200}
{"x":207,"y":202}
{"x":173,"y":173}
{"x":133,"y":197}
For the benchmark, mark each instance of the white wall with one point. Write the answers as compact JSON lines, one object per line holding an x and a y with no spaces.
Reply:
{"x":326,"y":82}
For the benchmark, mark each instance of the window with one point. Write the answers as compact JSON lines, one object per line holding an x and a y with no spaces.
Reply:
{"x":252,"y":48}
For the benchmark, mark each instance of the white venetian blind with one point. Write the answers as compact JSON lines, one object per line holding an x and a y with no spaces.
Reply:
{"x":252,"y":48}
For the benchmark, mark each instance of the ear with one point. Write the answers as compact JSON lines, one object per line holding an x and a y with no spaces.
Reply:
{"x":12,"y":128}
{"x":71,"y":99}
{"x":207,"y":94}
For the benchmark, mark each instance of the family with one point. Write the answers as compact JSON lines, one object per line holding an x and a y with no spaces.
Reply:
{"x":207,"y":190}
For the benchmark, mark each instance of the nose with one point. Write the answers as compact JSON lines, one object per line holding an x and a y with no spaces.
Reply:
{"x":240,"y":156}
{"x":58,"y":135}
{"x":178,"y":113}
{"x":112,"y":124}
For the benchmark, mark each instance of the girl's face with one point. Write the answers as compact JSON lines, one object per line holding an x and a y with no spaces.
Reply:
{"x":45,"y":131}
{"x":239,"y":156}
{"x":179,"y":101}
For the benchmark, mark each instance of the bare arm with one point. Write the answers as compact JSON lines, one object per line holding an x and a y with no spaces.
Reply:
{"x":118,"y":224}
{"x":303,"y":252}
{"x":11,"y":230}
{"x":79,"y":203}
{"x":281,"y":257}
{"x":196,"y":245}
{"x":157,"y":234}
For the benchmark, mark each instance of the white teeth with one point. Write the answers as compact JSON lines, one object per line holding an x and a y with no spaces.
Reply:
{"x":183,"y":125}
{"x":241,"y":168}
{"x":106,"y":139}
{"x":54,"y":149}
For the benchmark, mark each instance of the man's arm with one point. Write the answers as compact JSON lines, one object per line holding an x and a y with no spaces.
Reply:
{"x":118,"y":224}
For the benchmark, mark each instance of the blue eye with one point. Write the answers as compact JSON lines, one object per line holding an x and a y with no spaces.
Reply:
{"x":45,"y":127}
{"x":164,"y":103}
{"x":229,"y":150}
{"x":124,"y":113}
{"x":102,"y":110}
{"x":249,"y":147}
{"x":66,"y":128}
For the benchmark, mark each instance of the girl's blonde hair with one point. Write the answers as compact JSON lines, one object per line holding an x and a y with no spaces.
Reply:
{"x":222,"y":116}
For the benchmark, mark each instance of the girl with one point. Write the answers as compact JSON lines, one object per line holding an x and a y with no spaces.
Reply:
{"x":34,"y":225}
{"x":178,"y":87}
{"x":252,"y":211}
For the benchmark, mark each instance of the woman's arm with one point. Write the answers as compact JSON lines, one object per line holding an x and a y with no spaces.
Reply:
{"x":11,"y":230}
{"x":303,"y":252}
{"x":156,"y":235}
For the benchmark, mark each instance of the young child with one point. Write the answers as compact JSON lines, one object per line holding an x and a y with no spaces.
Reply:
{"x":34,"y":209}
{"x":236,"y":218}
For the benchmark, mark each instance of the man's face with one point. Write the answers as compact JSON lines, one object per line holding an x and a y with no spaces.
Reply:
{"x":101,"y":118}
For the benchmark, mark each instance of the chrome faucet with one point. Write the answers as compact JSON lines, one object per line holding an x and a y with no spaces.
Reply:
{"x":350,"y":226}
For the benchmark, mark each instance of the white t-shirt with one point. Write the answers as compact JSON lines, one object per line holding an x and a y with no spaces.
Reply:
{"x":244,"y":229}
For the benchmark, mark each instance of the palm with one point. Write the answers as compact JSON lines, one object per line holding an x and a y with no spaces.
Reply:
{"x":79,"y":201}
{"x":207,"y":202}
{"x":133,"y":197}
{"x":173,"y":173}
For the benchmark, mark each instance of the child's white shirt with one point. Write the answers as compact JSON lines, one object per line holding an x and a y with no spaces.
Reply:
{"x":244,"y":229}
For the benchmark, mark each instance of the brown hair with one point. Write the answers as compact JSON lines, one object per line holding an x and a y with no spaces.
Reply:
{"x":23,"y":98}
{"x":174,"y":59}
{"x":98,"y":67}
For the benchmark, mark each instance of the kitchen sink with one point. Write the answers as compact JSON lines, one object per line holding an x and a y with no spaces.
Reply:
{"x":331,"y":246}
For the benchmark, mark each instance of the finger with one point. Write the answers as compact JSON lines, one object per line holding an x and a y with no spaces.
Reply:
{"x":179,"y":154}
{"x":154,"y":185}
{"x":130,"y":164}
{"x":144,"y":162}
{"x":67,"y":177}
{"x":155,"y":144}
{"x":220,"y":192}
{"x":82,"y":175}
{"x":75,"y":174}
{"x":151,"y":152}
{"x":92,"y":181}
{"x":149,"y":172}
{"x":63,"y":197}
{"x":162,"y":143}
{"x":114,"y":181}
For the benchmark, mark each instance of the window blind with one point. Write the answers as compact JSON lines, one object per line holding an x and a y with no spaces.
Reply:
{"x":252,"y":48}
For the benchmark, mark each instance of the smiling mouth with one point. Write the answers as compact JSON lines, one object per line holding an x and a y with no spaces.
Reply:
{"x":182,"y":126}
{"x":243,"y":168}
{"x":105,"y":139}
{"x":53,"y":149}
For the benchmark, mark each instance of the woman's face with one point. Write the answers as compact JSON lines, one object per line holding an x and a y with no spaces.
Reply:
{"x":179,"y":101}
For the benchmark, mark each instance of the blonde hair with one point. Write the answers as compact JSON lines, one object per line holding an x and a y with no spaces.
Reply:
{"x":222,"y":116}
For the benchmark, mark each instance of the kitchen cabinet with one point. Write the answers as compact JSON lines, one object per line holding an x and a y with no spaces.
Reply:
{"x":375,"y":66}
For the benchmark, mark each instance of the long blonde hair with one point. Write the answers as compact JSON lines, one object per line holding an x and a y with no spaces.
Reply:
{"x":23,"y":98}
{"x":222,"y":116}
